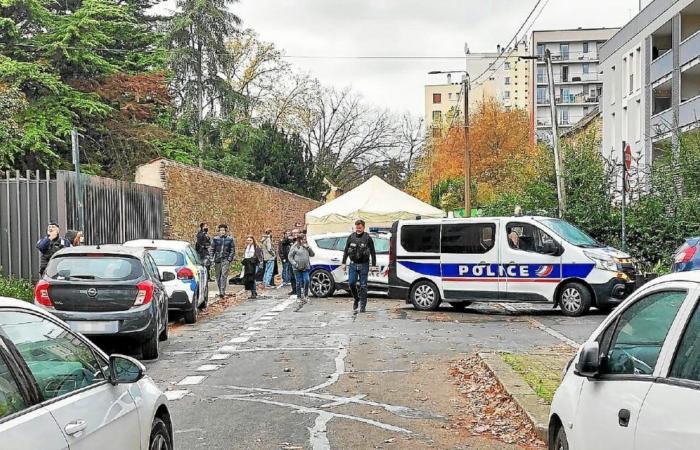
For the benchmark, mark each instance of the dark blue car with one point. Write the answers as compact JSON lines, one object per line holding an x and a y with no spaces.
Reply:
{"x":687,"y":257}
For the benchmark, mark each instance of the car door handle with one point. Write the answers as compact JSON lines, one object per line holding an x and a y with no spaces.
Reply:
{"x":335,"y":259}
{"x":623,"y":417}
{"x":75,"y":427}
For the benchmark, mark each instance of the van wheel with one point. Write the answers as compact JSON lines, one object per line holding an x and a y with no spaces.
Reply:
{"x":149,"y":349}
{"x":560,"y":441}
{"x":460,"y":306}
{"x":574,"y":299}
{"x":322,"y":283}
{"x":425,"y":296}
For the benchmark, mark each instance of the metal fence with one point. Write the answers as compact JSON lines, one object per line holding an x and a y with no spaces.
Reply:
{"x":114,"y":211}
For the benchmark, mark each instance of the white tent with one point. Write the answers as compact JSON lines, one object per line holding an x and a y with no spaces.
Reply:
{"x":375,"y":201}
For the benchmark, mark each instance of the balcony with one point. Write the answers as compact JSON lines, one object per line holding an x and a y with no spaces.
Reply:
{"x":689,"y":112}
{"x":661,"y":66}
{"x":690,"y":49}
{"x":661,"y":123}
{"x":572,"y":57}
{"x":572,"y":78}
{"x":576,"y":99}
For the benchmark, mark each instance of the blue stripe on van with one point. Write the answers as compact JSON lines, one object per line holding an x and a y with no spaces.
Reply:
{"x":328,"y":267}
{"x":495,"y":271}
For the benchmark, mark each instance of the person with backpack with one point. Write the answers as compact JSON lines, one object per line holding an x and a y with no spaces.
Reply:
{"x":300,"y":259}
{"x":360,"y":249}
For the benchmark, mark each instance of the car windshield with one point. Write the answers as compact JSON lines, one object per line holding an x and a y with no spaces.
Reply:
{"x":167,"y":257}
{"x":89,"y":267}
{"x":571,"y":234}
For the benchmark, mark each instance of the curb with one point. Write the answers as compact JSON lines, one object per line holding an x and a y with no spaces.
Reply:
{"x":523,"y":395}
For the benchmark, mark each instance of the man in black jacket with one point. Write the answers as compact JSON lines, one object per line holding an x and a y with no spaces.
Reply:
{"x":50,"y":244}
{"x":360,"y":249}
{"x":221,"y":253}
{"x":202,"y":245}
{"x":283,"y":251}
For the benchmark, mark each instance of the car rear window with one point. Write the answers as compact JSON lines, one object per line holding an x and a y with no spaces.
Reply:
{"x":167,"y":258}
{"x":89,"y":267}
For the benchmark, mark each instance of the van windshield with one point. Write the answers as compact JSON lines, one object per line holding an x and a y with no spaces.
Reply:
{"x":571,"y":234}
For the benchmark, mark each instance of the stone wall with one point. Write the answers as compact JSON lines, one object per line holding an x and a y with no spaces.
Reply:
{"x":193,"y":195}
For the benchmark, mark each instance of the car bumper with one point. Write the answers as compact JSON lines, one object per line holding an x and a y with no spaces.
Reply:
{"x":138,"y":323}
{"x":180,"y":300}
{"x":612,"y":293}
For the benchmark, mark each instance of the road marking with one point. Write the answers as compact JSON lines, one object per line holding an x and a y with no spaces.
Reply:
{"x":228,"y":349}
{"x":254,"y":329}
{"x":249,"y":333}
{"x":271,"y":314}
{"x":261,"y":323}
{"x":207,"y":368}
{"x":191,"y":380}
{"x":176,"y":394}
{"x":284,"y":349}
{"x":220,"y":356}
{"x":240,"y":340}
{"x":555,"y":333}
{"x":339,"y":370}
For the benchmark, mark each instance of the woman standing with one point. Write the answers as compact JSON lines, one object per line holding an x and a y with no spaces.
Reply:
{"x":252,"y":257}
{"x":300,"y":259}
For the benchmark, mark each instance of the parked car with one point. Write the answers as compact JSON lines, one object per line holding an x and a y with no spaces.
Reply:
{"x":58,"y":390}
{"x":519,"y":259}
{"x":326,"y":275}
{"x":635,"y":383}
{"x":687,"y":257}
{"x":108,"y":290}
{"x":190,"y":290}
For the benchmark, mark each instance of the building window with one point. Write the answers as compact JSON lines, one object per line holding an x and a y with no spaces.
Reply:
{"x":585,"y":67}
{"x":540,"y":75}
{"x":585,"y":47}
{"x":564,"y":116}
{"x":506,"y":95}
{"x":564,"y":73}
{"x":632,"y":69}
{"x":449,"y":95}
{"x":564,"y":51}
{"x":437,"y":116}
{"x":541,"y":95}
{"x":540,"y":50}
{"x":437,"y":98}
{"x":507,"y":80}
{"x":613,"y":82}
{"x":507,"y":65}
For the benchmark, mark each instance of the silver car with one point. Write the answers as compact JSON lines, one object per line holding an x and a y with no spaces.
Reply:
{"x":59,"y":391}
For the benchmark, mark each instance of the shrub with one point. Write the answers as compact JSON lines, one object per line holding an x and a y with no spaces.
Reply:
{"x":16,"y":288}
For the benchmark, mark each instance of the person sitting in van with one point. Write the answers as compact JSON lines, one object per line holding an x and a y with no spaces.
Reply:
{"x":514,"y":240}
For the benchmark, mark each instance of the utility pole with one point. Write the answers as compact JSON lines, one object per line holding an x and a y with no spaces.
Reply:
{"x":467,"y":153}
{"x":75,"y":147}
{"x":558,"y":163}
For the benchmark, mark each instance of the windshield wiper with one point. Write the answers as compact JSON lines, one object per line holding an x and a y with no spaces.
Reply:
{"x":82,"y":277}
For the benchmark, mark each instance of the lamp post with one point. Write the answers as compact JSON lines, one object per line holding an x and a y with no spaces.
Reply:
{"x":467,"y":152}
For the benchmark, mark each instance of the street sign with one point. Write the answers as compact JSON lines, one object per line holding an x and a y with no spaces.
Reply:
{"x":628,"y":157}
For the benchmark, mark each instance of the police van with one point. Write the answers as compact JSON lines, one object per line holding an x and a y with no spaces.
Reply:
{"x":505,"y":259}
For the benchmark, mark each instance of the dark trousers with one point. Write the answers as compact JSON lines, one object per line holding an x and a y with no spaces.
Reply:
{"x":358,"y":273}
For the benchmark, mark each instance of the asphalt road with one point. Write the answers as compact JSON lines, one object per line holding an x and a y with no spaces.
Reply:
{"x":261,"y":375}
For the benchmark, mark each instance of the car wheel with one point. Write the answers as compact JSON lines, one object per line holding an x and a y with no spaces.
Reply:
{"x":560,"y":441}
{"x":322,"y":283}
{"x":425,"y":296}
{"x":574,"y":299}
{"x":191,"y":313}
{"x":160,"y":438}
{"x":205,"y":302}
{"x":460,"y":306}
{"x":149,"y":349}
{"x":164,"y":334}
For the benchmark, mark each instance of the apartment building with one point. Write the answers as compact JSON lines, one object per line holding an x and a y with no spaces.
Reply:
{"x":651,"y":80}
{"x":577,"y":82}
{"x":508,"y":82}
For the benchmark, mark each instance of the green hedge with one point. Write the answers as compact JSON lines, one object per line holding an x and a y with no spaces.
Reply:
{"x":16,"y":288}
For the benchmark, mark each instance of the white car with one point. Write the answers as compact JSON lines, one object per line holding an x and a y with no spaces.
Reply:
{"x":59,"y":391}
{"x":635,"y":384}
{"x":326,"y":274}
{"x":189,"y":291}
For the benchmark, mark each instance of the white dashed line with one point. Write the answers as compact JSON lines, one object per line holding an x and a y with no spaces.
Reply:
{"x":254,"y":329}
{"x":555,"y":334}
{"x":220,"y":356}
{"x":240,"y":340}
{"x":249,"y":333}
{"x":228,"y":349}
{"x":208,"y":368}
{"x":192,"y":379}
{"x":176,"y":394}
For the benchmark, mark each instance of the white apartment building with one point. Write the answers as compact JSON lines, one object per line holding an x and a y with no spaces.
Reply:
{"x":651,"y":80}
{"x":577,"y":82}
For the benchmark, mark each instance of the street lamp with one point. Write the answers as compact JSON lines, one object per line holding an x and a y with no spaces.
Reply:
{"x":467,"y":152}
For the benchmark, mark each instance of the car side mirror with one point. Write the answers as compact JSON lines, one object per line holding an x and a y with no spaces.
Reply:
{"x":167,"y":276}
{"x":588,"y":364}
{"x":125,"y":369}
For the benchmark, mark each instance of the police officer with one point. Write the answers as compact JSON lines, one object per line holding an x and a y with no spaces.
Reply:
{"x":202,"y":245}
{"x":221,"y":252}
{"x":50,"y":244}
{"x":360,"y":249}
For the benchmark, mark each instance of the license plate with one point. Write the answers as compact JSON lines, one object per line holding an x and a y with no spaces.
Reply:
{"x":94,"y":327}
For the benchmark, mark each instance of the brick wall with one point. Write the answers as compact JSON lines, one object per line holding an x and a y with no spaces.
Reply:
{"x":193,"y":195}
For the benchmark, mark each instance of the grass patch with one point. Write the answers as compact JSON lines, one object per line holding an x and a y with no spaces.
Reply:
{"x":542,"y":372}
{"x":16,"y":288}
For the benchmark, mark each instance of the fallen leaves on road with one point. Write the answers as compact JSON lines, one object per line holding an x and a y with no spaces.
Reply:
{"x":489,"y":410}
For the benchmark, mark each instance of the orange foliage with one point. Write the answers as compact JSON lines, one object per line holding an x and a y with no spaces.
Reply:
{"x":502,"y":153}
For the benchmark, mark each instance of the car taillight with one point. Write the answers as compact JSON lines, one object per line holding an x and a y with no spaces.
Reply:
{"x":185,"y":274}
{"x":41,"y":294}
{"x":145,"y":293}
{"x":686,"y":255}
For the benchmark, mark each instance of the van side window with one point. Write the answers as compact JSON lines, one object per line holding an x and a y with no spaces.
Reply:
{"x":686,"y":364}
{"x":467,"y":238}
{"x":421,"y":238}
{"x":528,"y":238}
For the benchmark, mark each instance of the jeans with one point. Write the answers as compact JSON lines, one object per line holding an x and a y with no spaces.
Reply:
{"x":254,"y":290}
{"x":267,"y":277}
{"x":303,"y":280}
{"x":360,"y":271}
{"x":286,"y":271}
{"x":221,"y":270}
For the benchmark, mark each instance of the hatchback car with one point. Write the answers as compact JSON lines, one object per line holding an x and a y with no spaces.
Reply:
{"x":635,"y":384}
{"x":190,"y":290}
{"x":108,"y":290}
{"x":687,"y":257}
{"x":59,"y":391}
{"x":326,"y":274}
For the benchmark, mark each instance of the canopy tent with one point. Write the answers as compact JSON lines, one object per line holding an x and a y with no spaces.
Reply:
{"x":375,"y":201}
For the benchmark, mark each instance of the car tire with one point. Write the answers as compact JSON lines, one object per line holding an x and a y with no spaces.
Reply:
{"x":164,"y":334}
{"x":574,"y":299}
{"x":560,"y":441}
{"x":425,"y":296}
{"x":205,"y":302}
{"x":191,"y":313}
{"x":460,"y":306}
{"x":149,"y":349}
{"x":322,"y":283}
{"x":160,"y":438}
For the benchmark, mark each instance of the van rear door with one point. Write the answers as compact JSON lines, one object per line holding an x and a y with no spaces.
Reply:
{"x":469,"y":259}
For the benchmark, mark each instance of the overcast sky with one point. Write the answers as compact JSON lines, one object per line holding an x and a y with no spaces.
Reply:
{"x":406,"y":27}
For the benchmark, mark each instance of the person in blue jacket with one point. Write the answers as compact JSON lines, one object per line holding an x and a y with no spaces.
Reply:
{"x":50,"y":244}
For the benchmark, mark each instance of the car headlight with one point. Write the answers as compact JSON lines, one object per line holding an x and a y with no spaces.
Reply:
{"x":602,"y":262}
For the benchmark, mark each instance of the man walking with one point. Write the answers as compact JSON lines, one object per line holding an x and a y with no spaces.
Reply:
{"x":221,"y":252}
{"x":269,"y":256}
{"x":293,"y":279}
{"x":284,"y":246}
{"x":50,"y":244}
{"x":202,"y":245}
{"x":360,"y":249}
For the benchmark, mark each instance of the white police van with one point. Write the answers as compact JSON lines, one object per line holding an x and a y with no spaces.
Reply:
{"x":505,"y":259}
{"x":326,"y":274}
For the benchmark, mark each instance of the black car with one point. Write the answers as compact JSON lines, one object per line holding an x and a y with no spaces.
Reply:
{"x":108,"y":290}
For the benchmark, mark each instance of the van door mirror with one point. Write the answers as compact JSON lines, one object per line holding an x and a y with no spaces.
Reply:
{"x":167,"y":276}
{"x":124,"y":369}
{"x":588,"y":364}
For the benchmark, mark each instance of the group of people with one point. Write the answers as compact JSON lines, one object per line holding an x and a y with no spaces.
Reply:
{"x":294,"y":252}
